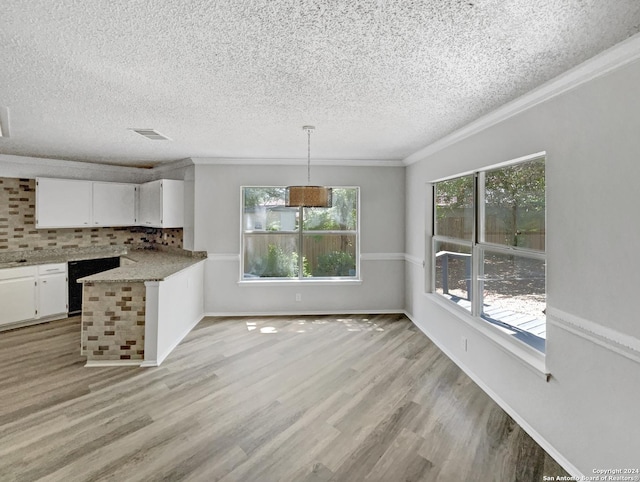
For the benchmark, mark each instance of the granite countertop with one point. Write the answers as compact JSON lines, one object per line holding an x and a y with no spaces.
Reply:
{"x":14,"y":259}
{"x":148,"y":265}
{"x":143,"y":264}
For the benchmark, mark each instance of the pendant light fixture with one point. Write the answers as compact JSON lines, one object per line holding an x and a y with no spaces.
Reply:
{"x":308,"y":196}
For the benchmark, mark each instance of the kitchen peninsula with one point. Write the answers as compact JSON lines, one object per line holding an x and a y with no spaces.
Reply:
{"x":137,"y":313}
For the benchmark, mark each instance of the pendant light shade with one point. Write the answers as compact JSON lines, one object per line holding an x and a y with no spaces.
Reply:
{"x":308,"y":196}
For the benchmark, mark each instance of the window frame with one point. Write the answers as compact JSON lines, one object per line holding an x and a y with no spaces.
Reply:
{"x":300,"y":234}
{"x":478,"y":249}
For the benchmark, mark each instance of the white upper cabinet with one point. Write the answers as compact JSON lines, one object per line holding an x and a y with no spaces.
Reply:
{"x":150,"y":211}
{"x":162,"y":204}
{"x":114,"y":204}
{"x":63,"y":203}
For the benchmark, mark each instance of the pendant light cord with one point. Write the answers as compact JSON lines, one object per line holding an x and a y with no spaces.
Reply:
{"x":308,"y":156}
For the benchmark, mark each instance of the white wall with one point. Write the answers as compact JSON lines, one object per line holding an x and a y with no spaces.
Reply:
{"x":174,"y":307}
{"x":189,"y":207}
{"x":217,"y":230}
{"x":588,"y":413}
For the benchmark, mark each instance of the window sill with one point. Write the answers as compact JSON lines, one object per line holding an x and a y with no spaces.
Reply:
{"x":527,"y":355}
{"x":299,"y":282}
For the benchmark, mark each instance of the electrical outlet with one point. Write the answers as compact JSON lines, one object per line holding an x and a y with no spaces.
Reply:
{"x":298,"y":296}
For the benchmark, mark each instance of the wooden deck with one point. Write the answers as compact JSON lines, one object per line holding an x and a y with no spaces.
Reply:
{"x":525,"y":327}
{"x":528,"y":323}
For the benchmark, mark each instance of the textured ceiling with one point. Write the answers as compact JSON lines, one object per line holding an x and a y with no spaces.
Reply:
{"x":379,"y":79}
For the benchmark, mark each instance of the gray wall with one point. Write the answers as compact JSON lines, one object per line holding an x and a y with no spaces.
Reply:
{"x":588,"y":412}
{"x":217,"y":230}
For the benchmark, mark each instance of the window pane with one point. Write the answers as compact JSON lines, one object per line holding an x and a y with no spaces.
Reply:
{"x":515,"y":206}
{"x":270,"y":255}
{"x":329,"y":255}
{"x":264,"y":210}
{"x":453,"y":272}
{"x":342,"y":216}
{"x":454,"y":208}
{"x":514,"y":293}
{"x":272,"y":234}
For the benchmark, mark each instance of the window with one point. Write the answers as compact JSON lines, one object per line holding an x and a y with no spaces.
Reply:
{"x":489,"y":247}
{"x":299,"y":243}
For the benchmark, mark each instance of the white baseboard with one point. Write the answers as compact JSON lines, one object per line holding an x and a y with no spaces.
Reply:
{"x":36,"y":321}
{"x":161,"y":358}
{"x":540,"y":440}
{"x":113,"y":363}
{"x":304,"y":313}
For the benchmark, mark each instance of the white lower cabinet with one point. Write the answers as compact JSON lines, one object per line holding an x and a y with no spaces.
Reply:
{"x":17,"y":294}
{"x":52,"y":290}
{"x":33,"y":293}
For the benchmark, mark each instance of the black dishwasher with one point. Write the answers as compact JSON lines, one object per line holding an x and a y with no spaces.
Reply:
{"x":80,"y":269}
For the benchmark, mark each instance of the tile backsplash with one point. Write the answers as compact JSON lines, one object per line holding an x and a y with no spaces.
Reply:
{"x":18,"y":231}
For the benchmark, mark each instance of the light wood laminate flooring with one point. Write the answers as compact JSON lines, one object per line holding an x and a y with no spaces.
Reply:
{"x":353,"y":398}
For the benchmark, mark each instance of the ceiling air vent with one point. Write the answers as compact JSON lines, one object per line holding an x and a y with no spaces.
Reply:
{"x":151,"y":134}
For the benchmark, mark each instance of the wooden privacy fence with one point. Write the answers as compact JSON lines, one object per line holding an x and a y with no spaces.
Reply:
{"x":532,"y":238}
{"x":494,"y":231}
{"x":314,"y":245}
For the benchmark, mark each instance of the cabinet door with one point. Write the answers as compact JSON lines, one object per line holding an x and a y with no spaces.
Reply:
{"x":172,"y":203}
{"x":150,"y":212}
{"x":63,"y":203}
{"x":18,"y":299}
{"x":114,"y":204}
{"x":52,"y":295}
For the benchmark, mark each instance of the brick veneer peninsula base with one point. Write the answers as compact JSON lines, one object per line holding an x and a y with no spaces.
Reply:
{"x":113,"y":321}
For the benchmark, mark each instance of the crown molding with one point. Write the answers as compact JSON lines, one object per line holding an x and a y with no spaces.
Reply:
{"x":172,"y":165}
{"x":237,"y":161}
{"x":65,"y":163}
{"x":611,"y":59}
